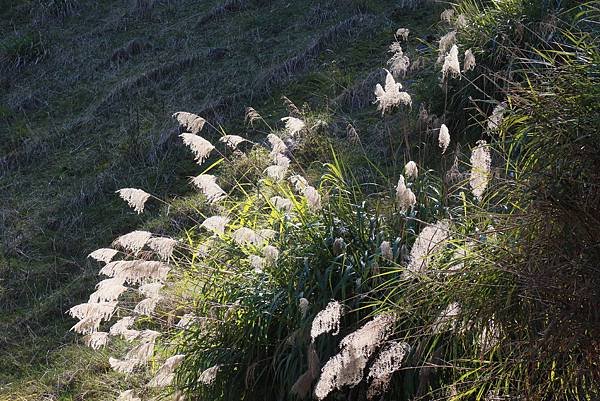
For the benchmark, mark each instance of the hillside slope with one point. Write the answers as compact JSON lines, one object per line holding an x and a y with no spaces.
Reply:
{"x":88,"y":89}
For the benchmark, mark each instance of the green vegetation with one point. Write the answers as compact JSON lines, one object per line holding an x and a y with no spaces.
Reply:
{"x":482,"y":286}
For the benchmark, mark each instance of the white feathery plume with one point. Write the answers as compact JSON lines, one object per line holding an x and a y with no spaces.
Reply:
{"x":121,"y":326}
{"x":490,"y":336}
{"x":96,"y":340}
{"x":208,"y":376}
{"x":146,"y":306}
{"x":276,"y":173}
{"x":199,"y":146}
{"x":271,"y":254}
{"x":447,"y":319}
{"x":136,"y":271}
{"x":207,"y":184}
{"x":299,"y":182}
{"x":313,"y":198}
{"x":405,"y":197}
{"x":108,"y":290}
{"x":138,"y":355}
{"x":103,"y":254}
{"x":411,"y":170}
{"x":327,"y":320}
{"x":256,"y":262}
{"x":447,"y":15}
{"x":245,"y":236}
{"x":469,"y":63}
{"x":135,"y":198}
{"x":216,"y":224}
{"x":399,"y":62}
{"x":163,"y":246}
{"x":251,"y":115}
{"x":186,"y":320}
{"x":495,"y":119}
{"x":265,"y":234}
{"x":165,"y":374}
{"x":429,"y":239}
{"x":445,"y":44}
{"x":403,"y":33}
{"x":303,"y":306}
{"x":233,"y":141}
{"x":133,"y":241}
{"x":277,"y":144}
{"x":481,"y":162}
{"x":128,"y":396}
{"x":102,"y":310}
{"x":444,"y":138}
{"x":293,"y":125}
{"x":151,"y":290}
{"x":390,"y":96}
{"x":87,"y":326}
{"x":281,"y":160}
{"x":387,"y":362}
{"x":451,"y":65}
{"x":282,"y":204}
{"x":386,"y":250}
{"x":189,"y":121}
{"x":346,"y":368}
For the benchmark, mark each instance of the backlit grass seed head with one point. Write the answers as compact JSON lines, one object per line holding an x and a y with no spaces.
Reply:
{"x":388,"y":361}
{"x":495,"y":119}
{"x":300,"y":183}
{"x":303,"y":306}
{"x":399,"y":62}
{"x":138,"y":355}
{"x":281,"y":160}
{"x":90,"y":316}
{"x":245,"y":236}
{"x":187,"y":320}
{"x":265,"y":234}
{"x":447,"y":319}
{"x":405,"y":197}
{"x":96,"y":340}
{"x":108,"y":290}
{"x":133,"y":241}
{"x":282,"y":204}
{"x":233,"y":141}
{"x":121,"y":326}
{"x":386,"y":250}
{"x":481,"y":162}
{"x":189,"y":121}
{"x":165,"y":374}
{"x":313,"y":198}
{"x":444,"y":138}
{"x":135,"y":198}
{"x":410,"y":170}
{"x":327,"y":320}
{"x":208,"y":376}
{"x":429,"y":239}
{"x":402,"y":33}
{"x":451,"y":67}
{"x":162,"y":246}
{"x":257,"y":263}
{"x":136,"y":271}
{"x":128,"y":396}
{"x":390,"y":96}
{"x":103,"y":254}
{"x":199,"y":146}
{"x":151,"y":290}
{"x":276,"y":173}
{"x":293,"y":125}
{"x":251,"y":115}
{"x":216,"y":224}
{"x":445,"y":43}
{"x":271,"y":254}
{"x":207,"y":184}
{"x":277,"y":145}
{"x":469,"y":63}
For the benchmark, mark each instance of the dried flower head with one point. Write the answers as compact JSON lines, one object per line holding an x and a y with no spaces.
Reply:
{"x":444,"y":138}
{"x":451,"y":65}
{"x":429,"y":239}
{"x":399,"y":62}
{"x":103,"y":254}
{"x":162,"y":246}
{"x":327,"y":320}
{"x":133,"y":241}
{"x":208,"y":376}
{"x":386,"y":250}
{"x":166,"y":373}
{"x":251,"y":116}
{"x":313,"y":198}
{"x":207,"y":184}
{"x":388,"y":361}
{"x":189,"y":121}
{"x":405,"y":197}
{"x":233,"y":141}
{"x":199,"y":146}
{"x":280,"y":203}
{"x":445,"y":43}
{"x":469,"y":63}
{"x":410,"y":170}
{"x":495,"y":119}
{"x":389,"y":96}
{"x":216,"y":224}
{"x":108,"y":290}
{"x":293,"y":125}
{"x":481,"y":162}
{"x":135,"y":198}
{"x":96,"y":340}
{"x":402,"y":33}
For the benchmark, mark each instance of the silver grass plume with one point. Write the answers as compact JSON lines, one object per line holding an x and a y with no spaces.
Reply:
{"x":233,"y":141}
{"x":186,"y":320}
{"x":399,"y":62}
{"x":481,"y":162}
{"x":128,"y":395}
{"x":208,"y":376}
{"x":447,"y":15}
{"x":303,"y":306}
{"x":162,"y":246}
{"x":90,"y":316}
{"x":251,"y":115}
{"x":282,"y":204}
{"x":451,"y":67}
{"x":327,"y":320}
{"x":266,"y":234}
{"x":469,"y":63}
{"x":276,"y":173}
{"x":245,"y":236}
{"x":445,"y":44}
{"x":271,"y":254}
{"x":96,"y":340}
{"x":301,"y":387}
{"x":135,"y":198}
{"x":495,"y":119}
{"x":444,"y":138}
{"x":189,"y":121}
{"x":138,"y":355}
{"x":133,"y":241}
{"x":103,"y":254}
{"x":410,"y":170}
{"x":207,"y":184}
{"x":429,"y":239}
{"x":216,"y":224}
{"x":346,"y":368}
{"x":461,"y":21}
{"x":257,"y":262}
{"x":277,"y":144}
{"x":199,"y":146}
{"x":293,"y":125}
{"x":108,"y":290}
{"x":402,"y":33}
{"x":165,"y":374}
{"x":121,"y":326}
{"x":405,"y":197}
{"x":151,"y":290}
{"x":313,"y":198}
{"x":447,"y":319}
{"x":300,"y":183}
{"x":281,"y":160}
{"x":386,"y":250}
{"x":136,"y":271}
{"x":390,"y":96}
{"x":386,"y":364}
